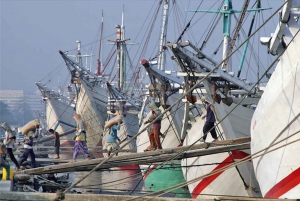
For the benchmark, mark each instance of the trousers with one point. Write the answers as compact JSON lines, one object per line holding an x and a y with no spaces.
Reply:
{"x":207,"y":126}
{"x":12,"y":157}
{"x":79,"y":146}
{"x":154,"y":139}
{"x":26,"y":153}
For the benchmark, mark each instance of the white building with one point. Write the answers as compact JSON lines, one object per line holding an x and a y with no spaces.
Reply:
{"x":15,"y":97}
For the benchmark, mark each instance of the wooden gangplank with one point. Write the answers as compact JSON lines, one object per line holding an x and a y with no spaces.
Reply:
{"x":29,"y":196}
{"x":145,"y":158}
{"x":69,"y":152}
{"x":63,"y":147}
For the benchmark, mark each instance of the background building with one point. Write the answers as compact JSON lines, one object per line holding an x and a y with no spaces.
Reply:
{"x":22,"y":107}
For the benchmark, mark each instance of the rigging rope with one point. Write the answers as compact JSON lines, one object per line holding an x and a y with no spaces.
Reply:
{"x":188,"y":24}
{"x":250,"y":157}
{"x":196,"y":85}
{"x":227,"y":58}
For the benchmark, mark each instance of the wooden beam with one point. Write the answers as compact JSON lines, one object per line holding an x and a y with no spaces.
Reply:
{"x":29,"y":196}
{"x":66,"y":152}
{"x":63,"y":147}
{"x":253,"y":199}
{"x":146,"y":158}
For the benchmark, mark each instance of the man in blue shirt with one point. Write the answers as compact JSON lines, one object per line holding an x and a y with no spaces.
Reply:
{"x":112,"y":138}
{"x":209,"y":122}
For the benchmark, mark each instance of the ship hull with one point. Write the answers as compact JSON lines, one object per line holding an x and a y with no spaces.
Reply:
{"x":231,"y":182}
{"x":59,"y":110}
{"x":277,"y":119}
{"x":91,"y":105}
{"x":171,"y":125}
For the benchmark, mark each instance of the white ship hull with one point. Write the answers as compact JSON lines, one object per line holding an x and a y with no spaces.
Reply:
{"x":58,"y":108}
{"x":275,"y":119}
{"x":171,"y":125}
{"x":91,"y":105}
{"x":224,"y":183}
{"x":232,"y":182}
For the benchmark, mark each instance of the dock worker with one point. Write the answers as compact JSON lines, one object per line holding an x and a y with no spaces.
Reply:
{"x":56,"y":142}
{"x":112,"y":138}
{"x":210,"y":119}
{"x":9,"y":142}
{"x":28,"y":146}
{"x":155,"y":128}
{"x":4,"y":163}
{"x":80,"y":138}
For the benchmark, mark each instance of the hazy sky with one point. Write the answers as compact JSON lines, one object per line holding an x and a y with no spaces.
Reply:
{"x":32,"y":32}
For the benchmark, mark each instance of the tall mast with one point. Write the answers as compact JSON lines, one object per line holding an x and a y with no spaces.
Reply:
{"x":122,"y":56}
{"x":78,"y":58}
{"x":237,"y":30}
{"x":99,"y":60}
{"x":226,"y":33}
{"x":226,"y":12}
{"x":247,"y":42}
{"x":118,"y":42}
{"x":162,"y":56}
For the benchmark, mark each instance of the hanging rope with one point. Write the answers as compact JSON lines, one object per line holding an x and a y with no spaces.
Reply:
{"x":196,"y":85}
{"x":188,"y":24}
{"x":253,"y":86}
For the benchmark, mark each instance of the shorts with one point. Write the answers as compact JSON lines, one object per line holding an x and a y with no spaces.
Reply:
{"x":56,"y":150}
{"x":112,"y":145}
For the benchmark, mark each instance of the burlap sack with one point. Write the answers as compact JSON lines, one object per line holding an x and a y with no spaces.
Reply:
{"x":113,"y":121}
{"x":5,"y":126}
{"x":29,"y":126}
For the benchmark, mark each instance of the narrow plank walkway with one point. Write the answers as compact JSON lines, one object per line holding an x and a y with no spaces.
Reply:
{"x":145,"y":158}
{"x":70,"y":152}
{"x":29,"y":196}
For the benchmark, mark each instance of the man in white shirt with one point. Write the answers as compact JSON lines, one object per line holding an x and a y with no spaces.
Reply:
{"x":4,"y":163}
{"x":9,"y":141}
